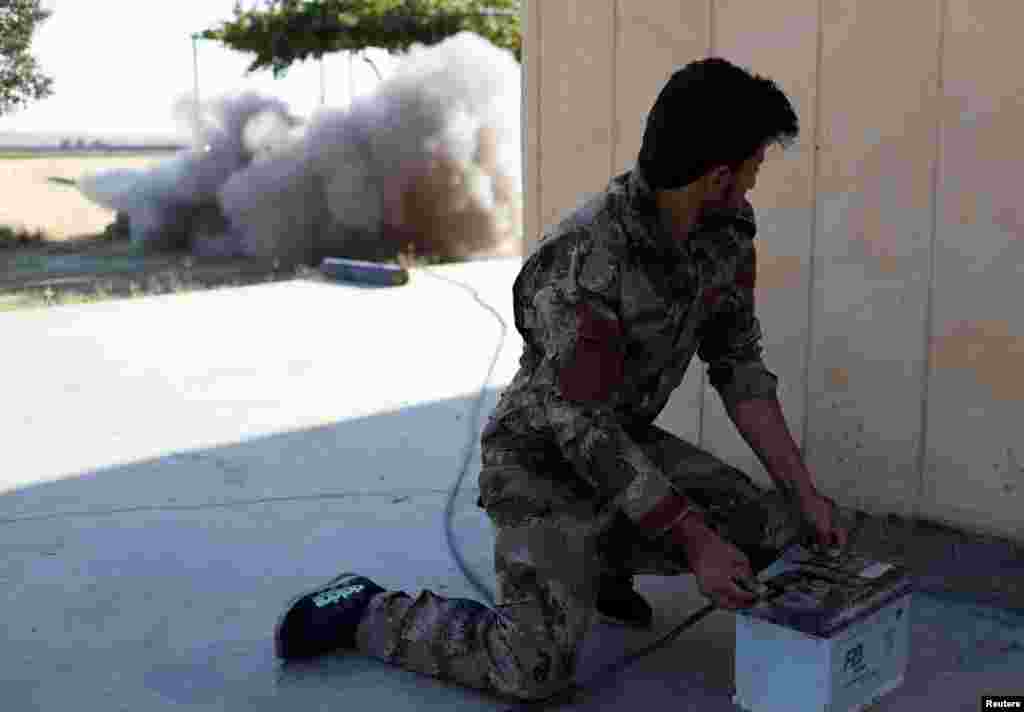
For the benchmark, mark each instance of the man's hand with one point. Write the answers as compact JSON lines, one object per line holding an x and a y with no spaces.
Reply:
{"x":716,"y":564}
{"x":821,"y":516}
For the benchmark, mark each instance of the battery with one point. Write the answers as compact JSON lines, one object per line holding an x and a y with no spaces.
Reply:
{"x":834,"y":637}
{"x":360,"y":272}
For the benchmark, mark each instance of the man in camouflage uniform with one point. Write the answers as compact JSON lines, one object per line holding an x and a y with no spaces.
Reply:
{"x":584,"y":491}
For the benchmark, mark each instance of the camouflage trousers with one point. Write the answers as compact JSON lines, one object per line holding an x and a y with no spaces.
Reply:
{"x":552,"y":545}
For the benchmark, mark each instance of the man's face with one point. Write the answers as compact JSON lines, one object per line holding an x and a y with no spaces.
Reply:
{"x":729,"y":189}
{"x":682,"y":208}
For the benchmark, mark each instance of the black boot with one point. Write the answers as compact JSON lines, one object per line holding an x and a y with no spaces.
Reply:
{"x":325,"y":618}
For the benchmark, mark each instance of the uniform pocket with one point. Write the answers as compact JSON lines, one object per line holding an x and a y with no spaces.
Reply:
{"x":534,"y":491}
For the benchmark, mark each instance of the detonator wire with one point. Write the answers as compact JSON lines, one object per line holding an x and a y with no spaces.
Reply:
{"x":570,"y":692}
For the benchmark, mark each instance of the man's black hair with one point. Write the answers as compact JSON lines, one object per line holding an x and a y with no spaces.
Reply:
{"x":712,"y":113}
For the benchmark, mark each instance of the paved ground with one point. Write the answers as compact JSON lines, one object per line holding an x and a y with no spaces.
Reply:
{"x":175,"y":468}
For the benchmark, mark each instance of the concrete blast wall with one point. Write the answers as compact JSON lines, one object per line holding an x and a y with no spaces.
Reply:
{"x":891,"y":238}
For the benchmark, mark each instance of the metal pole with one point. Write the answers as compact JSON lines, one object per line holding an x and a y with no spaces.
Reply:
{"x":195,"y":71}
{"x":351,"y":81}
{"x":323,"y":82}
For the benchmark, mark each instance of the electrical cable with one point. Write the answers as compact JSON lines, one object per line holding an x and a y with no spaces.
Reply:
{"x":570,"y":692}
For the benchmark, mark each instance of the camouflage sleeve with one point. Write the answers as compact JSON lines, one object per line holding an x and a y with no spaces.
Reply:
{"x":731,"y":340}
{"x":581,"y":335}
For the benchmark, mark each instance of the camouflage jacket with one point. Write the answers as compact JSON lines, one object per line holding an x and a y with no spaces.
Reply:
{"x":612,"y":310}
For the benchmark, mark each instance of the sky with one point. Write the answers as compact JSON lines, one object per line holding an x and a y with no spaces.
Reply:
{"x":119,"y":65}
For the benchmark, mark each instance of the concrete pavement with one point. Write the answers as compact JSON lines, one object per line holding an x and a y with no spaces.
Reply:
{"x":175,"y":468}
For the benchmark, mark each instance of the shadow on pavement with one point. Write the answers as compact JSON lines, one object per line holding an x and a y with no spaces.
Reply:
{"x":157,"y":583}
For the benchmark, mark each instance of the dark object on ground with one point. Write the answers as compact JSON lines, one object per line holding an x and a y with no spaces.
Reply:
{"x":365,"y":272}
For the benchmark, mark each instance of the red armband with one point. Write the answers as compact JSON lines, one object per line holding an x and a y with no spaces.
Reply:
{"x":596,"y":366}
{"x":746,"y":278}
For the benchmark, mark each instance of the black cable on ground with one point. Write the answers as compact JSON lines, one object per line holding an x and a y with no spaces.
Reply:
{"x":470,"y":447}
{"x":570,"y":692}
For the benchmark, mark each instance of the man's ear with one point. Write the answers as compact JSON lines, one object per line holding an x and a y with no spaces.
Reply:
{"x":717,"y":182}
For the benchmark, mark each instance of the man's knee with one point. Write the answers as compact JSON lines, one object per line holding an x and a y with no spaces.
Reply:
{"x":540,"y":671}
{"x":536,"y":649}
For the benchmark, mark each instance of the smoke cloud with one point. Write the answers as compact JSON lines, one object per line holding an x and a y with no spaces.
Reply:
{"x":430,"y":159}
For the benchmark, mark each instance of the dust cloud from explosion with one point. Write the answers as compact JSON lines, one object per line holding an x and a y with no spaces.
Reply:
{"x":430,"y":159}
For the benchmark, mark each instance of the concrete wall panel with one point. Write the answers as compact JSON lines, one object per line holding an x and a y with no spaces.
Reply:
{"x":532,"y":62}
{"x":891,"y":236}
{"x":878,"y":91}
{"x":652,"y":41}
{"x":577,"y":41}
{"x":782,"y":46}
{"x":974,"y":469}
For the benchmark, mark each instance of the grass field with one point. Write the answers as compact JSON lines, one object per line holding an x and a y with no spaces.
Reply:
{"x":40,"y":218}
{"x":23,"y":155}
{"x":32,"y":203}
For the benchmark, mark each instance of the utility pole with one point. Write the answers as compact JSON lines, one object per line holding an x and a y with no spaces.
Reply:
{"x":195,"y":73}
{"x":323,"y":82}
{"x":351,"y":80}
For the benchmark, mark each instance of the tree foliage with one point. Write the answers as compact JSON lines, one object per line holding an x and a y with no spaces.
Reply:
{"x":21,"y":81}
{"x":286,"y":31}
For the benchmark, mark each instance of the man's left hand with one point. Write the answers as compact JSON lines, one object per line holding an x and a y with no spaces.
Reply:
{"x":820,"y":513}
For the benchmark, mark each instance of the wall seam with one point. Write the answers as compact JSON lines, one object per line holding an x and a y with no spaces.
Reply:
{"x":703,"y":372}
{"x":538,"y":74}
{"x":613,"y":153}
{"x":929,"y":320}
{"x":525,"y":107}
{"x":811,"y":279}
{"x":711,"y":28}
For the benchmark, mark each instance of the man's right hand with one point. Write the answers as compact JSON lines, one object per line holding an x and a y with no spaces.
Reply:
{"x":716,"y":564}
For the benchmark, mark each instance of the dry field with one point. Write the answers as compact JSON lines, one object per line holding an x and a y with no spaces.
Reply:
{"x":30,"y":202}
{"x":72,"y":225}
{"x":31,"y":275}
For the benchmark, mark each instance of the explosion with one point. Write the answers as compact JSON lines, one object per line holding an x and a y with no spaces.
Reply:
{"x":429,"y":162}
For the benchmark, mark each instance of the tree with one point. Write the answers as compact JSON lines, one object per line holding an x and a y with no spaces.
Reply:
{"x":288,"y":31}
{"x":20,"y":78}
